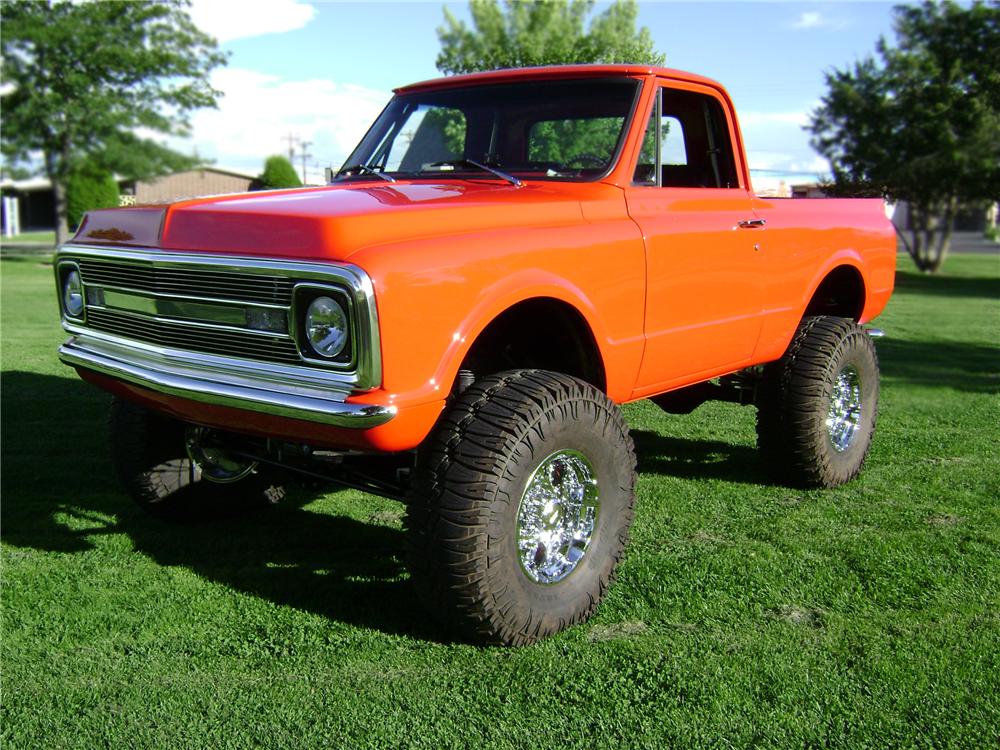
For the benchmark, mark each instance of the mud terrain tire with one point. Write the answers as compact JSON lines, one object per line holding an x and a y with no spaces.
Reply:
{"x":817,"y":405}
{"x":149,"y":455}
{"x":513,"y":469}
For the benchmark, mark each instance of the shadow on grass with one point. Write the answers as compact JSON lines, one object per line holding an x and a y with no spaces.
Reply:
{"x":912,"y":282}
{"x":971,"y":368}
{"x":60,"y":494}
{"x":698,"y":459}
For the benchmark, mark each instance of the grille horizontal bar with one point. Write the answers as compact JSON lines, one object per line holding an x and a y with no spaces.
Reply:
{"x":197,"y":282}
{"x":233,"y":343}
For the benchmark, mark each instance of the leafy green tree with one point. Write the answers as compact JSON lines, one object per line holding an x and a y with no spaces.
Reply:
{"x":548,"y":32}
{"x":922,"y":123}
{"x":87,"y":188}
{"x":83,"y":77}
{"x":278,"y":173}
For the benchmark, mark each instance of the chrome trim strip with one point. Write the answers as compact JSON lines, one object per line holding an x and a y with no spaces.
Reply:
{"x":187,"y":297}
{"x":142,"y":317}
{"x":204,"y":388}
{"x":350,"y":279}
{"x":177,"y":311}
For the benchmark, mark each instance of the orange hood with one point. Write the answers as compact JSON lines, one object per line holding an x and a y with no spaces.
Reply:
{"x":332,"y":223}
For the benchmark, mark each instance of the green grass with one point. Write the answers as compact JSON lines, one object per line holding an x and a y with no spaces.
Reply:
{"x":48,"y":238}
{"x":745,"y":614}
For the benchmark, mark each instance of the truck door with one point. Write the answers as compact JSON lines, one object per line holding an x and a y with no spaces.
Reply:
{"x":704,"y":299}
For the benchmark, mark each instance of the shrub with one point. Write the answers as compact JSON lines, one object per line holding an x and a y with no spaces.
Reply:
{"x":278,"y":173}
{"x":86,"y":190}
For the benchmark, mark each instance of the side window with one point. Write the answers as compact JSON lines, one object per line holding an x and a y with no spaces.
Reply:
{"x":694,"y":150}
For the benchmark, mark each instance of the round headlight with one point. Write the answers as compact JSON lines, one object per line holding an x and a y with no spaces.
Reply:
{"x":326,"y":327}
{"x":73,"y":294}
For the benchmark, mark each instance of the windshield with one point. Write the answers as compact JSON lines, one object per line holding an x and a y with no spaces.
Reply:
{"x":561,"y":130}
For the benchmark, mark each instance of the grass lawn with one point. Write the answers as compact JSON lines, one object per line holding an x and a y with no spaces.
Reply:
{"x":48,"y":237}
{"x":745,"y":614}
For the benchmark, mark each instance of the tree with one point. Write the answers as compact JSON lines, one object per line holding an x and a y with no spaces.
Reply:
{"x":548,"y":32}
{"x":87,"y":188}
{"x":922,"y":123}
{"x":278,"y":173}
{"x":83,"y":77}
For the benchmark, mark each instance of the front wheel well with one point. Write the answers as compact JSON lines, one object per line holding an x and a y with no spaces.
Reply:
{"x":541,"y":333}
{"x":841,"y":293}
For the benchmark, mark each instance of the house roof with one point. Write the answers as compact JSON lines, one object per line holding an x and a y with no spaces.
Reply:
{"x":35,"y":184}
{"x":30,"y":185}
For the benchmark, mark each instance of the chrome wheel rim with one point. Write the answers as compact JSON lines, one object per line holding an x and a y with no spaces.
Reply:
{"x":844,"y":417}
{"x":557,"y":516}
{"x":212,"y":462}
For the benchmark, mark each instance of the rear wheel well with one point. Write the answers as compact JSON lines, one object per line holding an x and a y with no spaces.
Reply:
{"x":542,"y":333}
{"x":841,"y":293}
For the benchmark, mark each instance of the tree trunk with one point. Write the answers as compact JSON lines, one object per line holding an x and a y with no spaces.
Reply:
{"x":918,"y":227}
{"x":932,"y":228}
{"x":57,"y":178}
{"x":942,"y":242}
{"x":59,"y":196}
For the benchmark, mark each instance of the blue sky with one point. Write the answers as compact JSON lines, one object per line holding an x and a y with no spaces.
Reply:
{"x":323,"y":70}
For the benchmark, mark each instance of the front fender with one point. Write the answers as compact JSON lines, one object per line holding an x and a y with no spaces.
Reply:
{"x":505,"y":294}
{"x":436,"y":296}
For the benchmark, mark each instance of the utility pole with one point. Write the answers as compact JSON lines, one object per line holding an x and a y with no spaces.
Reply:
{"x":291,"y":138}
{"x":304,"y":153}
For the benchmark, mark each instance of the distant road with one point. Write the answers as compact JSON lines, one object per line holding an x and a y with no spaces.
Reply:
{"x":965,"y":242}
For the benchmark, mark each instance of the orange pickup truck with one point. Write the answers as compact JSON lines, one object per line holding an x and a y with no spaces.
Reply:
{"x":453,"y":321}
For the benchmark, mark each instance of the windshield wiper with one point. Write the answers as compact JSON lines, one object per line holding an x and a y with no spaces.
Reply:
{"x":365,"y":169}
{"x":486,"y":168}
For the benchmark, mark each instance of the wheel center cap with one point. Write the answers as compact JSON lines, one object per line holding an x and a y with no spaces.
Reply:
{"x":557,"y":516}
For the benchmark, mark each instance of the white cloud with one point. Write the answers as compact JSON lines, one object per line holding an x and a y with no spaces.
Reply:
{"x":777,"y":141}
{"x":750,"y":118}
{"x":258,"y":111}
{"x":799,"y":165}
{"x":227,"y":20}
{"x":809,"y":20}
{"x":813,"y":19}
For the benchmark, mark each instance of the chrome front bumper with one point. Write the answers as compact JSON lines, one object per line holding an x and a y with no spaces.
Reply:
{"x":161,"y":372}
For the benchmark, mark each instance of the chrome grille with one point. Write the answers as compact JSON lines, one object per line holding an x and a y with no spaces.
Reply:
{"x":236,"y":316}
{"x":196,"y":282}
{"x":229,"y":342}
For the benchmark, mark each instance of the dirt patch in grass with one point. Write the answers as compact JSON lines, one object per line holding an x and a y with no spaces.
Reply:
{"x":808,"y":616}
{"x":393,"y":518}
{"x":943,"y":519}
{"x":617,"y":631}
{"x":706,"y":537}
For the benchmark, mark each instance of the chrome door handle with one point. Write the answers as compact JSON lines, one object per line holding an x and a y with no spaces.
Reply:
{"x":752,"y":224}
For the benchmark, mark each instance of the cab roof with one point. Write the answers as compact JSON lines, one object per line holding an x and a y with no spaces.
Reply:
{"x":550,"y":72}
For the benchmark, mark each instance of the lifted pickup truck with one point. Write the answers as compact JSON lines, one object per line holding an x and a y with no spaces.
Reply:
{"x":504,"y":259}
